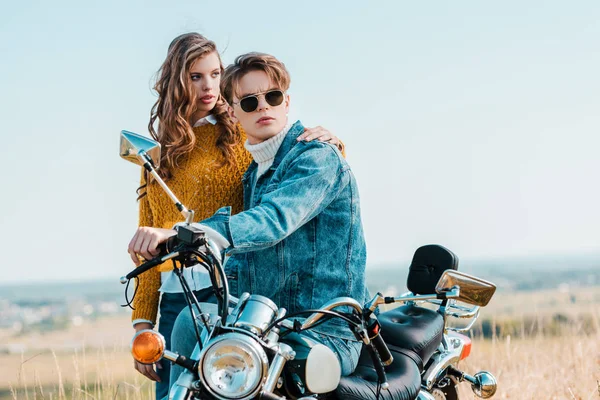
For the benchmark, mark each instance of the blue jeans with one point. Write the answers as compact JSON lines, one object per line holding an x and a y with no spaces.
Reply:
{"x":171,"y":305}
{"x":347,"y":351}
{"x":184,"y":340}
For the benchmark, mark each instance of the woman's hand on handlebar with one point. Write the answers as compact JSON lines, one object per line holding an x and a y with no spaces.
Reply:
{"x":145,"y":242}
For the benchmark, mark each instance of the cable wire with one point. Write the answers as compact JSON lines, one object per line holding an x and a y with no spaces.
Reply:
{"x":129,"y":302}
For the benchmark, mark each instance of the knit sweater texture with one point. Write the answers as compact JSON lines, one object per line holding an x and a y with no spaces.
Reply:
{"x":201,"y":185}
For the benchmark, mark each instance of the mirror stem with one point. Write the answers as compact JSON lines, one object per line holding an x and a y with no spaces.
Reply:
{"x":146,"y":161}
{"x":380,"y":299}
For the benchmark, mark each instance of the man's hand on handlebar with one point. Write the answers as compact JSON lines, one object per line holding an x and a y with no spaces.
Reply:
{"x":145,"y":242}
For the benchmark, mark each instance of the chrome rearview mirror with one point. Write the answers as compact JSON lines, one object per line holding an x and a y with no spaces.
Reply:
{"x":133,"y":146}
{"x":473,"y":290}
{"x":146,"y":152}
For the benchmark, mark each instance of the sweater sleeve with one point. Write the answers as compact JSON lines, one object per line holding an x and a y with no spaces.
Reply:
{"x":146,"y":299}
{"x":342,"y":148}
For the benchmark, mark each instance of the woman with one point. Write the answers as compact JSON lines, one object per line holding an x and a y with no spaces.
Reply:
{"x":203,"y":162}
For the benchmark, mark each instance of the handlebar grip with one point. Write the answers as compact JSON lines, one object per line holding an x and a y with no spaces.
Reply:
{"x":162,"y":251}
{"x":377,"y":364}
{"x":382,"y":349}
{"x":145,"y":267}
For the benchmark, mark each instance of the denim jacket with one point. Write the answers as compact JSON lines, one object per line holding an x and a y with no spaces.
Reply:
{"x":300,"y":239}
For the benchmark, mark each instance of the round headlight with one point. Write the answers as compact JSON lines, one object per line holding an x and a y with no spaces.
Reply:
{"x":233,"y":366}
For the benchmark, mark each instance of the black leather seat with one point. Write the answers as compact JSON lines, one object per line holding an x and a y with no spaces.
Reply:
{"x":412,"y":334}
{"x":413,"y":328}
{"x":403,"y":375}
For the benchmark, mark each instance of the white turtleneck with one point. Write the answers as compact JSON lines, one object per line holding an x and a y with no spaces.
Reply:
{"x":264,"y":153}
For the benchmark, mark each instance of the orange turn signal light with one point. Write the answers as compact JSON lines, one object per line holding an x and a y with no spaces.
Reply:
{"x":467,"y":343}
{"x":148,"y":346}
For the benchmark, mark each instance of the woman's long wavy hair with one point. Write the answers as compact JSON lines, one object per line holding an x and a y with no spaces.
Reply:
{"x":177,"y":102}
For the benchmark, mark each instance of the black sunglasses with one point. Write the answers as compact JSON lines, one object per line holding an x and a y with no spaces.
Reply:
{"x":250,"y":103}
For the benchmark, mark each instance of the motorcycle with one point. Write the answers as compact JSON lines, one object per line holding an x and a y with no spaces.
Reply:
{"x":248,"y":348}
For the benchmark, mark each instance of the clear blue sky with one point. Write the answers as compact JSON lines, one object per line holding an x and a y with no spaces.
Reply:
{"x":471,"y":124}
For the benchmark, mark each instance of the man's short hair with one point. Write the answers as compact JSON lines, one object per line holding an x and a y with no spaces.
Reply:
{"x":254,"y":61}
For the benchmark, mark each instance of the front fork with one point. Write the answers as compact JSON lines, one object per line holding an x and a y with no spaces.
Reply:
{"x":187,"y":381}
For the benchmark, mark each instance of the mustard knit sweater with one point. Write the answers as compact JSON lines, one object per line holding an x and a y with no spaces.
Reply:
{"x":200,"y":185}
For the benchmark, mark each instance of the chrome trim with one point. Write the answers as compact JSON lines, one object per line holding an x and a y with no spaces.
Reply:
{"x":379,"y":299}
{"x":423,"y":395}
{"x":474,"y":290}
{"x":442,"y":360}
{"x":485,"y":385}
{"x":188,"y":214}
{"x":284,"y":354}
{"x":256,"y":314}
{"x":467,"y":312}
{"x":467,"y":327}
{"x":245,"y":296}
{"x":132,"y":143}
{"x":233,"y":300}
{"x":253,"y":344}
{"x":272,"y":337}
{"x":388,"y":362}
{"x":170,"y":355}
{"x":287,"y":324}
{"x":143,"y":151}
{"x":330,"y":305}
{"x":243,"y":332}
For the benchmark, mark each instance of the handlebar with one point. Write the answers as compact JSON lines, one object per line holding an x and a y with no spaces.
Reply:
{"x":378,"y":350}
{"x":163,"y":255}
{"x":330,"y":305}
{"x":379,"y":299}
{"x":186,"y":243}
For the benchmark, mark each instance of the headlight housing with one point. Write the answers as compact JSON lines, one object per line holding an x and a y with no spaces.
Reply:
{"x":233,"y":366}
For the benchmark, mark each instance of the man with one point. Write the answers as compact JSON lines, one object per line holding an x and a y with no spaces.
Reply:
{"x":300,"y":240}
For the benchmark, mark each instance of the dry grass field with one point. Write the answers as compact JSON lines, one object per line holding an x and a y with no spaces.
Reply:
{"x":539,"y":364}
{"x":544,"y":368}
{"x":96,"y":366}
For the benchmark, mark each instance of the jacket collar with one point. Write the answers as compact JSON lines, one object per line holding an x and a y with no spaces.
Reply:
{"x":288,"y":143}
